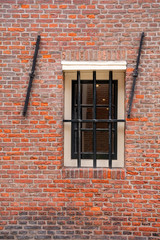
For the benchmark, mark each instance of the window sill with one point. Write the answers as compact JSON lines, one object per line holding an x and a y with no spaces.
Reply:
{"x":96,"y":173}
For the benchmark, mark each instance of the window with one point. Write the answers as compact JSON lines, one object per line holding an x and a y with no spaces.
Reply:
{"x":94,"y":118}
{"x":88,"y":112}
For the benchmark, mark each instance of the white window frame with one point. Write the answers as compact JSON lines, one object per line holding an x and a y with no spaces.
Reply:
{"x":102,"y":73}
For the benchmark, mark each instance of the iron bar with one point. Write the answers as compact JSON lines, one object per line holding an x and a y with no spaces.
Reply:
{"x":94,"y":116}
{"x":135,"y":75}
{"x":110,"y":117}
{"x":95,"y":120}
{"x":91,"y":105}
{"x":31,"y":76}
{"x":79,"y":117}
{"x":97,"y":129}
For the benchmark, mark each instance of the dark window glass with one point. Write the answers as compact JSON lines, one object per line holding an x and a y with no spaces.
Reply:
{"x":102,"y":113}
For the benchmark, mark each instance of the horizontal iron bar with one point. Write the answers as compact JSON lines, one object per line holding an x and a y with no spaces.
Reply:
{"x":97,"y":129}
{"x":97,"y":105}
{"x":94,"y":120}
{"x":106,"y":153}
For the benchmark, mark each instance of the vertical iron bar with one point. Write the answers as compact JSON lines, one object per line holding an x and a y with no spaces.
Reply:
{"x":94,"y":117}
{"x":79,"y":117}
{"x":110,"y":117}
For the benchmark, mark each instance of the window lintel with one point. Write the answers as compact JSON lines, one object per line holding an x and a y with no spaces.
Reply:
{"x":93,"y":65}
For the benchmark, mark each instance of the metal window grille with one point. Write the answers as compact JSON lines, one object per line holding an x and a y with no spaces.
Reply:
{"x":78,"y":121}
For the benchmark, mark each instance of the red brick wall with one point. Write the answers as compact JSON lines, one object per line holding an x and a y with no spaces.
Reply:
{"x":40,"y":199}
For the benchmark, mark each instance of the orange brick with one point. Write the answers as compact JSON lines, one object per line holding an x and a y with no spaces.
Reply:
{"x":95,"y":209}
{"x":90,"y":43}
{"x":129,"y":70}
{"x":140,"y":96}
{"x":53,"y":6}
{"x":91,"y":25}
{"x":7,"y":52}
{"x":72,"y":34}
{"x":25,"y":6}
{"x":91,"y":16}
{"x":16,"y":29}
{"x":63,"y":6}
{"x":47,"y":56}
{"x":72,"y":16}
{"x":82,"y":6}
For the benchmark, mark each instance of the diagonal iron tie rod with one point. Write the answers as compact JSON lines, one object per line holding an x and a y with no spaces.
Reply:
{"x":135,"y":75}
{"x":31,"y":76}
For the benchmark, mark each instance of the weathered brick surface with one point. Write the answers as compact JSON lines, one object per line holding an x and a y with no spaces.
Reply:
{"x":40,"y":199}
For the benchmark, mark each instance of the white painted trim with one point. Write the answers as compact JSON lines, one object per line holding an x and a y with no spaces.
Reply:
{"x":93,"y":65}
{"x":88,"y":75}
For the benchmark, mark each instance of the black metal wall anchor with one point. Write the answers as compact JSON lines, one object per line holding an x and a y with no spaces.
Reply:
{"x":135,"y":75}
{"x":31,"y":76}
